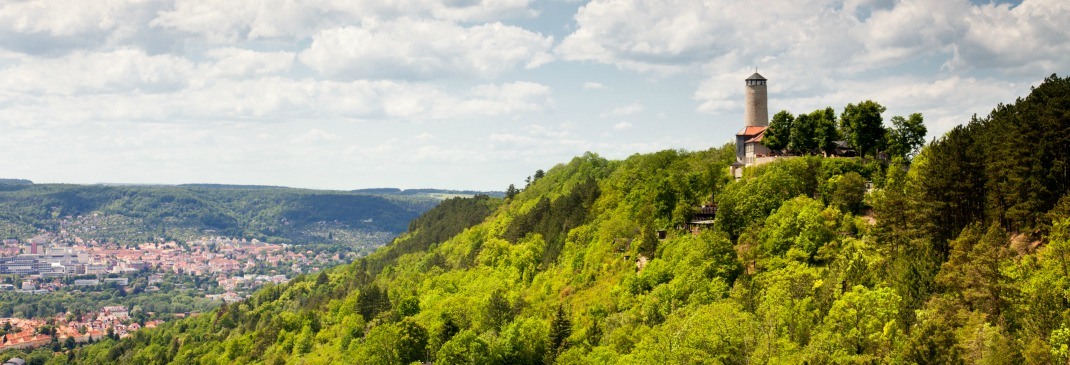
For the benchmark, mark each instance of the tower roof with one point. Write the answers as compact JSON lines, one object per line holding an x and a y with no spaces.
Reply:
{"x":756,"y":76}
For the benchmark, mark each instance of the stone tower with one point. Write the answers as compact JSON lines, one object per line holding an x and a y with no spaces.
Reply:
{"x":756,"y":112}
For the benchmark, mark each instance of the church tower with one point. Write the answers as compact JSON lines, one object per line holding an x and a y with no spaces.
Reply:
{"x":756,"y":111}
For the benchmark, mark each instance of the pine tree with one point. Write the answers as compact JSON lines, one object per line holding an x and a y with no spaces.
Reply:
{"x":560,"y":330}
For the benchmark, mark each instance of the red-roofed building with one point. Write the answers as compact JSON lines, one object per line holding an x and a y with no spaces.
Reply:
{"x":25,"y":340}
{"x":95,"y":334}
{"x":749,"y":144}
{"x":749,"y":147}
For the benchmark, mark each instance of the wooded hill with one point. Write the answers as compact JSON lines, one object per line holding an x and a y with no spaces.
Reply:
{"x":133,"y":214}
{"x":962,"y":258}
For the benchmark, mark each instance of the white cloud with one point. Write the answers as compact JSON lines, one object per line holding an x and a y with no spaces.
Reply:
{"x":1028,"y":38}
{"x":230,"y":21}
{"x":99,"y":72}
{"x":235,"y":62}
{"x":279,"y":99}
{"x":642,"y":35}
{"x":673,"y":36}
{"x":593,"y":85}
{"x":315,"y":135}
{"x":503,"y":99}
{"x":410,"y":48}
{"x":424,"y":137}
{"x":847,"y":37}
{"x":49,"y":27}
{"x":233,"y":20}
{"x":562,"y":131}
{"x":622,"y":126}
{"x":912,"y":28}
{"x":472,"y":11}
{"x":512,"y":139}
{"x":630,"y":109}
{"x":62,"y":18}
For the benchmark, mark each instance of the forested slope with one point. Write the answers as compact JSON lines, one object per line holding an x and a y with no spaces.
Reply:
{"x":962,"y":258}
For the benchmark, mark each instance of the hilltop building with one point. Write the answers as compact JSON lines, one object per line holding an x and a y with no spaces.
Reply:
{"x":749,"y":145}
{"x":749,"y":148}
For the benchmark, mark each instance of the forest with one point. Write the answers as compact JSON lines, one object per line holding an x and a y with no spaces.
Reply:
{"x":958,"y":255}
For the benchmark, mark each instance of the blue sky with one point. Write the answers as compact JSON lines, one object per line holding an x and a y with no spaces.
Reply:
{"x":471,"y":94}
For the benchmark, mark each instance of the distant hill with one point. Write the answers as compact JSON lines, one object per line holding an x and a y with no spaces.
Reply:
{"x":15,"y":182}
{"x":232,"y":187}
{"x":136,"y":213}
{"x":430,"y":192}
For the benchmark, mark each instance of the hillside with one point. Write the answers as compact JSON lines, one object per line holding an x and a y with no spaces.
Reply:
{"x":962,"y":258}
{"x":133,"y":214}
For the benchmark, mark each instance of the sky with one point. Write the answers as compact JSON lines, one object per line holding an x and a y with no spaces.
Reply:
{"x":471,"y":94}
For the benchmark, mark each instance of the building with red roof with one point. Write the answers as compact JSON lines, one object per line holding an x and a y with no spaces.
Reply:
{"x":749,"y":145}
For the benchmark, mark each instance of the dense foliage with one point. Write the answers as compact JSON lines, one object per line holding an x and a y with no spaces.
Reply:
{"x":439,"y":224}
{"x":943,"y":262}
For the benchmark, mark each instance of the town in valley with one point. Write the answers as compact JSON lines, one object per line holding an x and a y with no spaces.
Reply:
{"x":111,"y":276}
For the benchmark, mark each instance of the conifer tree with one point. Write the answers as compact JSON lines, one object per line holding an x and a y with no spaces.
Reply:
{"x":560,"y":330}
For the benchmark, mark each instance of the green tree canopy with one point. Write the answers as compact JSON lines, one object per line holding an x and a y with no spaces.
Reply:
{"x":803,"y":135}
{"x":847,"y":192}
{"x":825,"y":133}
{"x":906,"y":136}
{"x":860,"y":326}
{"x":861,"y":124}
{"x":801,"y":224}
{"x":778,"y":135}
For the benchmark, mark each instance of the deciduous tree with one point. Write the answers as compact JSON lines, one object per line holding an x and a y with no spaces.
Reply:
{"x":803,"y":139}
{"x":906,"y":136}
{"x":861,"y":124}
{"x":778,"y":134}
